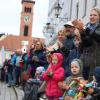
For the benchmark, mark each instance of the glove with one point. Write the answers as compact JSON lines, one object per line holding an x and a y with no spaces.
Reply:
{"x":50,"y":74}
{"x":35,"y":58}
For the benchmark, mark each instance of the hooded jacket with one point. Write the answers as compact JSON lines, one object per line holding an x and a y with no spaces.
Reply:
{"x":52,"y":88}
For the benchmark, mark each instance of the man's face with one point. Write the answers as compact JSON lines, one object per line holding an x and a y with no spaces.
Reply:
{"x":69,"y":30}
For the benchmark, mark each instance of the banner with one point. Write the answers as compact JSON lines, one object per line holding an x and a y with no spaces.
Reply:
{"x":2,"y":56}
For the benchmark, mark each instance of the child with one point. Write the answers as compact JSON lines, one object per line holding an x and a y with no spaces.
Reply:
{"x":33,"y":84}
{"x":94,"y":90}
{"x":96,"y":87}
{"x":70,"y":85}
{"x":53,"y":75}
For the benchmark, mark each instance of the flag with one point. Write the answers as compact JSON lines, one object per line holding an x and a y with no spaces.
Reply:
{"x":2,"y":56}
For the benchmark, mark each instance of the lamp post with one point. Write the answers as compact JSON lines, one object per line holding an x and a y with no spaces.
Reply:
{"x":58,"y":9}
{"x":59,"y":21}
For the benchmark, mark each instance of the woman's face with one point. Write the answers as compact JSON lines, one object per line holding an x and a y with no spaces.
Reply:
{"x":75,"y":69}
{"x":38,"y":46}
{"x":61,"y":36}
{"x":94,"y":17}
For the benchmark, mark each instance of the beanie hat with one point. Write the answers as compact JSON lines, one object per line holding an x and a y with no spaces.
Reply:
{"x":75,"y":63}
{"x":40,"y":70}
{"x":78,"y":63}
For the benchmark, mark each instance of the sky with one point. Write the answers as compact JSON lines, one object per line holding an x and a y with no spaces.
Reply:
{"x":10,"y":17}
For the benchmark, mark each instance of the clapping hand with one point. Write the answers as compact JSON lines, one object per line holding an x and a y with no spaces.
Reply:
{"x":35,"y":58}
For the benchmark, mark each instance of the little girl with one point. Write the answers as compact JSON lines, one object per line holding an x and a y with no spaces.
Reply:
{"x":53,"y":75}
{"x":70,"y":86}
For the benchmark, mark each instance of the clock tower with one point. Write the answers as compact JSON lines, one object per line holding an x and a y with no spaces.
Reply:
{"x":26,"y":19}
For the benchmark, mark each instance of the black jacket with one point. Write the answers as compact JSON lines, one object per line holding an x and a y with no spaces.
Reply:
{"x":91,"y":47}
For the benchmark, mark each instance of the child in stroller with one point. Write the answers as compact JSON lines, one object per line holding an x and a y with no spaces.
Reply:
{"x":32,"y":85}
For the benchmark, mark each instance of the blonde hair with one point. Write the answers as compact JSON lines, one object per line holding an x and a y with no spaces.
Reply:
{"x":41,"y":43}
{"x":98,"y":11}
{"x":62,"y":31}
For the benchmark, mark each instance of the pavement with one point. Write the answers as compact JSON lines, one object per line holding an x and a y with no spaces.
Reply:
{"x":7,"y":93}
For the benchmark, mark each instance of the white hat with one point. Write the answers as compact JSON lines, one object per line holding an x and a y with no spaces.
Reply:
{"x":40,"y":69}
{"x":69,"y":23}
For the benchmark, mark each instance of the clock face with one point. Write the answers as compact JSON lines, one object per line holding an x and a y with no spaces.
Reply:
{"x":26,"y":19}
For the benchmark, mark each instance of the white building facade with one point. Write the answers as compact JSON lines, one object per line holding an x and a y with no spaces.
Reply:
{"x":81,"y":9}
{"x":71,"y":9}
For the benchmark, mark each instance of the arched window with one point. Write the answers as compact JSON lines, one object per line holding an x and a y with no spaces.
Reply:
{"x":28,"y":10}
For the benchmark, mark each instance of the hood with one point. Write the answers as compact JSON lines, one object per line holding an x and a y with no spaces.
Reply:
{"x":80,"y":63}
{"x":60,"y":60}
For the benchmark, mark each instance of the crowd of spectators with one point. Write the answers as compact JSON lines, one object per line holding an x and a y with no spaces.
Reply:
{"x":72,"y":60}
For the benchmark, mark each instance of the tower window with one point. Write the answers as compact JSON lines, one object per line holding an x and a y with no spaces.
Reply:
{"x":25,"y":30}
{"x":27,"y":10}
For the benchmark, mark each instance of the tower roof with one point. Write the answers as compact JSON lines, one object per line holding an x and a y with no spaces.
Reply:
{"x":30,"y":1}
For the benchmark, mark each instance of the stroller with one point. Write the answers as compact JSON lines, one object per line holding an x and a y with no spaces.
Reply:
{"x":32,"y":86}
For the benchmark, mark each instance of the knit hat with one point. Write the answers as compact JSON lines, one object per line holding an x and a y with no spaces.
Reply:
{"x":78,"y":63}
{"x":40,"y":70}
{"x":97,"y":73}
{"x":75,"y":63}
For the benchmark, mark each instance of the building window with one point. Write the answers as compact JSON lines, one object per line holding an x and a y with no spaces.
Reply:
{"x":27,"y":10}
{"x":30,"y":10}
{"x":26,"y":30}
{"x":71,"y":9}
{"x":94,"y":3}
{"x":77,"y":10}
{"x":84,"y":8}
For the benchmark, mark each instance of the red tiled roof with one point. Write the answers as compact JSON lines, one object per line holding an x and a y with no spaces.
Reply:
{"x":12,"y":42}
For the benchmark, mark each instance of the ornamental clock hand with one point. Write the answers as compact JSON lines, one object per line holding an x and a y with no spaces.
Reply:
{"x":26,"y":19}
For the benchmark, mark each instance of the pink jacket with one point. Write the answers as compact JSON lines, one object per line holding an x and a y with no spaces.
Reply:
{"x":52,"y":88}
